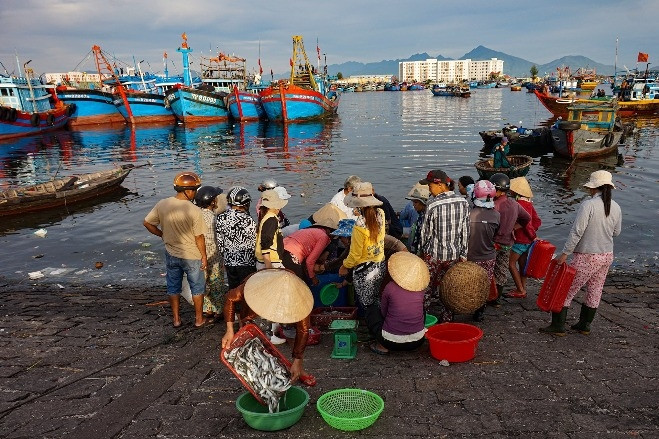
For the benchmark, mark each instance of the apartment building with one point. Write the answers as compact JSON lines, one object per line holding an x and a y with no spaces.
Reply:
{"x":435,"y":70}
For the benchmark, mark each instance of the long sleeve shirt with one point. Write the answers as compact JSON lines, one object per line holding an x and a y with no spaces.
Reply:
{"x":526,"y":235}
{"x":445,"y":231}
{"x":592,"y":231}
{"x":236,"y":295}
{"x":307,"y":245}
{"x":362,"y":248}
{"x":511,"y":212}
{"x":403,"y":314}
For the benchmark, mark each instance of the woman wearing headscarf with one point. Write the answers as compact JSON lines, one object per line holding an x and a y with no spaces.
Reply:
{"x":366,"y":256}
{"x":598,"y":221}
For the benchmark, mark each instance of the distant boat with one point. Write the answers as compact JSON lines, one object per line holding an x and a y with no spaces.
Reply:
{"x":61,"y":192}
{"x":28,"y":107}
{"x":204,"y":102}
{"x":307,"y":94}
{"x":589,"y":131}
{"x":93,"y":105}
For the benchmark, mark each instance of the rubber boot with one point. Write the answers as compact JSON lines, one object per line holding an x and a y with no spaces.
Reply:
{"x":585,"y":319}
{"x":274,"y":339}
{"x":557,"y":326}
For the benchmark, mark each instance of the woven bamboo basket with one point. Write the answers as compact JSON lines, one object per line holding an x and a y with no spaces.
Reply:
{"x":464,"y":287}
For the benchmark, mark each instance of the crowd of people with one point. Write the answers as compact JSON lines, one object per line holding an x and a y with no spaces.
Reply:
{"x":234,"y":262}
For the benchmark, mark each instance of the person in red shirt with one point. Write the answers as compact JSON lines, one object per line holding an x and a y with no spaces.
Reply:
{"x":524,"y":236}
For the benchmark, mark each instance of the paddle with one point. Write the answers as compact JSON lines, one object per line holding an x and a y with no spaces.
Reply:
{"x":574,"y":159}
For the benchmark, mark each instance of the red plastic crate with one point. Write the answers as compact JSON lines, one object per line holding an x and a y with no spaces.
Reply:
{"x":245,"y":333}
{"x":324,"y":316}
{"x":555,"y":287}
{"x":540,"y":254}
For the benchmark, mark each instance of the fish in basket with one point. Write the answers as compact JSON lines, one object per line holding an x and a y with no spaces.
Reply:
{"x":259,"y":366}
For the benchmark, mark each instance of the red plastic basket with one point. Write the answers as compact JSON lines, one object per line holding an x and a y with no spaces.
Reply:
{"x":453,"y":342}
{"x":324,"y":316}
{"x":540,"y":254}
{"x":555,"y":287}
{"x":245,"y":333}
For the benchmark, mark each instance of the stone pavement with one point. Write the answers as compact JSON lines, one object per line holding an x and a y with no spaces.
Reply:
{"x":83,"y":362}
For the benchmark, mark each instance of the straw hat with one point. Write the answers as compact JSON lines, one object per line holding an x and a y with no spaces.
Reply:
{"x":420,"y":192}
{"x":281,"y":190}
{"x":328,"y":216}
{"x":408,"y":271}
{"x":278,"y":295}
{"x":362,"y":196}
{"x":272,"y":200}
{"x":464,"y":287}
{"x":600,"y":178}
{"x":520,"y":185}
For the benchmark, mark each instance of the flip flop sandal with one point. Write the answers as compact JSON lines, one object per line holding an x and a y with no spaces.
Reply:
{"x":308,"y":380}
{"x":375,"y":349}
{"x":515,"y":294}
{"x":207,"y":322}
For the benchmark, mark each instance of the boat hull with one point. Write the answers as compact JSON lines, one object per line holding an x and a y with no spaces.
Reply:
{"x":61,"y":192}
{"x":145,"y":108}
{"x":15,"y":123}
{"x":585,"y":143}
{"x":196,"y":106}
{"x":559,"y":106}
{"x":91,"y":107}
{"x":287,"y":103}
{"x":245,"y":106}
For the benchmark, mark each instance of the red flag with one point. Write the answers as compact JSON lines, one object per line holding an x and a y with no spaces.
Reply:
{"x":318,"y":51}
{"x":260,"y":68}
{"x":642,"y":57}
{"x":290,"y":61}
{"x":164,"y":55}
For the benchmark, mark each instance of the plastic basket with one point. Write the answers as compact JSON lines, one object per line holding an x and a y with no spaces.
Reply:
{"x":291,"y":408}
{"x":537,"y":262}
{"x":350,"y":409}
{"x":555,"y":287}
{"x":245,"y":333}
{"x":328,"y":294}
{"x":324,"y":316}
{"x":453,"y":342}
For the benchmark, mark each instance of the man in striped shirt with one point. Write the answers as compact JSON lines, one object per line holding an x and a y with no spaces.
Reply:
{"x":444,"y":234}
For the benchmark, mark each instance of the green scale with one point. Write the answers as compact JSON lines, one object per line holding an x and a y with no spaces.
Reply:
{"x":345,"y":339}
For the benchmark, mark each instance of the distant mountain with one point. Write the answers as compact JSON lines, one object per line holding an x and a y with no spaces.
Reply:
{"x":512,"y":65}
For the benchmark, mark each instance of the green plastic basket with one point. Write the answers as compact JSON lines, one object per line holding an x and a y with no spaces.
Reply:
{"x":328,"y":294}
{"x":350,"y":409}
{"x":291,"y":408}
{"x":430,"y":320}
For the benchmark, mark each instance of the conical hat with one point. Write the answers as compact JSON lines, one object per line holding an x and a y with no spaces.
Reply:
{"x":329,"y":216}
{"x":278,"y":295}
{"x":408,"y":271}
{"x":520,"y":185}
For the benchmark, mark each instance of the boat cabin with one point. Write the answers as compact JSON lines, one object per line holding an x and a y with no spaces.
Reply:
{"x":19,"y":94}
{"x":594,"y":117}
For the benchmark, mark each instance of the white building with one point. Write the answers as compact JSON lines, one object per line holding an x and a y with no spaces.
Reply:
{"x":73,"y":78}
{"x":435,"y":70}
{"x":367,"y":79}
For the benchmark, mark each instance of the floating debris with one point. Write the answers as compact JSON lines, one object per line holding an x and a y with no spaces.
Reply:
{"x":98,"y":265}
{"x":35,"y":275}
{"x":261,"y":370}
{"x":41,"y":233}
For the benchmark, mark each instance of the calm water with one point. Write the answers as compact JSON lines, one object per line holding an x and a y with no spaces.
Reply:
{"x":391,"y":139}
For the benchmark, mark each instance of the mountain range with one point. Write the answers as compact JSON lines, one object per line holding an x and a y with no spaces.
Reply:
{"x":512,"y":65}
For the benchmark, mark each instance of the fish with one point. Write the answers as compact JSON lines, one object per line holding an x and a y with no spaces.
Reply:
{"x":261,"y":370}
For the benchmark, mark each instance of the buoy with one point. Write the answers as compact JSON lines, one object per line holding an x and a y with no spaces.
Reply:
{"x":34,"y":120}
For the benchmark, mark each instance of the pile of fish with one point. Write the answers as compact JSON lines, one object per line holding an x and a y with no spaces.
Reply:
{"x":262,"y":371}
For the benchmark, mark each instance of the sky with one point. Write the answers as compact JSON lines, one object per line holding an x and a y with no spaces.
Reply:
{"x":57,"y":35}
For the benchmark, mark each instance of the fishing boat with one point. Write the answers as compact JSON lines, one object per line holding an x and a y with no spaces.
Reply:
{"x":93,"y":102}
{"x":520,"y":140}
{"x":441,"y":90}
{"x":591,"y":130}
{"x":639,"y":105}
{"x":307,"y":95}
{"x":29,"y":107}
{"x":206,"y":103}
{"x":520,"y":165}
{"x":62,"y":191}
{"x":245,"y":105}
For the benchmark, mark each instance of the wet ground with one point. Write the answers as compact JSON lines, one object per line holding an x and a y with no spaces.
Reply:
{"x":93,"y":362}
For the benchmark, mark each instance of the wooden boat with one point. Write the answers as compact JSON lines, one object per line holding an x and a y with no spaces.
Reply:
{"x":558,"y":106}
{"x":520,"y":166}
{"x":515,"y":88}
{"x":28,"y":107}
{"x":589,"y":131}
{"x":61,"y":192}
{"x":520,"y":140}
{"x":306,"y":96}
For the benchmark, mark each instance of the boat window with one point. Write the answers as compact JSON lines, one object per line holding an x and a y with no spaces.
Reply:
{"x":3,"y":91}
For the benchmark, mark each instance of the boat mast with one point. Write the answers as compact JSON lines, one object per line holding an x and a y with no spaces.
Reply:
{"x":29,"y":85}
{"x":303,"y":75}
{"x":119,"y":87}
{"x":184,"y":49}
{"x":615,"y":64}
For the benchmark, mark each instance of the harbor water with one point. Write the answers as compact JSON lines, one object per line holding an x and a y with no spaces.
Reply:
{"x":389,"y":138}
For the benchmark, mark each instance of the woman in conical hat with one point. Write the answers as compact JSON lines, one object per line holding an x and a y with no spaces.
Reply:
{"x":277,"y":295}
{"x":399,"y":324}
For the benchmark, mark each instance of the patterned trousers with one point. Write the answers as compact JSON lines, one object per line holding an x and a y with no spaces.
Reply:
{"x":592,"y":269}
{"x":431,"y":295}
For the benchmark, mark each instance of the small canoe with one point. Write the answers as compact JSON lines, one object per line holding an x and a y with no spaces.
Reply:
{"x":520,"y":166}
{"x":61,"y":192}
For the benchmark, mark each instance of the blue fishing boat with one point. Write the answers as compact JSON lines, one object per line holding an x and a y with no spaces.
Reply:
{"x":245,"y":105}
{"x":28,"y":107}
{"x":203,"y":103}
{"x":140,"y":101}
{"x":306,"y":95}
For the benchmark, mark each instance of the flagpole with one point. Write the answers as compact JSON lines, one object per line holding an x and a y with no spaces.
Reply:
{"x":615,"y":64}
